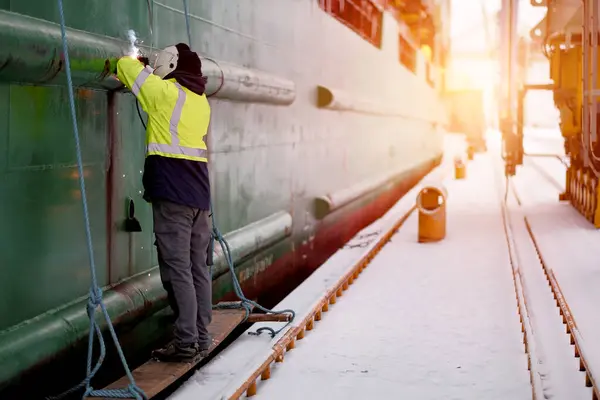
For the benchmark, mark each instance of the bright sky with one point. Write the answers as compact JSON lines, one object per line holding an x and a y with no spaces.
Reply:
{"x":468,"y":35}
{"x":468,"y":24}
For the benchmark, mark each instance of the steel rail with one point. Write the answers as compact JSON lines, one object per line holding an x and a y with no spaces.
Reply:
{"x":576,"y":339}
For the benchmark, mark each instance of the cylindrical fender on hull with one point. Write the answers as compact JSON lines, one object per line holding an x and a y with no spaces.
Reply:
{"x":35,"y":342}
{"x":324,"y":205}
{"x":339,"y":100}
{"x":31,"y":52}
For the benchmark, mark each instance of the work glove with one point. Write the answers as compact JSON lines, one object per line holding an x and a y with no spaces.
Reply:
{"x":143,"y":60}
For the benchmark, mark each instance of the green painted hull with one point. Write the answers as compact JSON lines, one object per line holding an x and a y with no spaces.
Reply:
{"x":275,"y":150}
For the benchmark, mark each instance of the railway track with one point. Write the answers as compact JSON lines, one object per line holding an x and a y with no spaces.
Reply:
{"x":524,"y":310}
{"x":569,"y":321}
{"x":543,"y":375}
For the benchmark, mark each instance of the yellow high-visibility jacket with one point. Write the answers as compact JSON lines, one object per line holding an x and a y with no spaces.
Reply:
{"x":177,"y":117}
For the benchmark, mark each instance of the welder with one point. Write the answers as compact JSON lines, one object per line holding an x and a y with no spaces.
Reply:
{"x":176,"y":182}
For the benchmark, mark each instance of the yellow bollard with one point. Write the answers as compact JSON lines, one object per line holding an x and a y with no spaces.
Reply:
{"x":431,"y":204}
{"x":470,"y":152}
{"x":460,"y":169}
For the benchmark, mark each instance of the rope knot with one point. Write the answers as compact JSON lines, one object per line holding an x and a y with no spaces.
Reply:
{"x":94,"y":301}
{"x":88,"y":391}
{"x":95,"y":296}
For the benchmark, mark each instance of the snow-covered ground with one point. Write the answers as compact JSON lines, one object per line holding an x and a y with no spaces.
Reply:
{"x":425,"y":321}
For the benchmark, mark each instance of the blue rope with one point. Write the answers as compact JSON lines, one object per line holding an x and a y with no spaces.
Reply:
{"x":187,"y":22}
{"x":95,"y":299}
{"x":246,"y":303}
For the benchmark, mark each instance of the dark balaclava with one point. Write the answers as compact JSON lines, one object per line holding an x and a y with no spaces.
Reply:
{"x":188,"y":72}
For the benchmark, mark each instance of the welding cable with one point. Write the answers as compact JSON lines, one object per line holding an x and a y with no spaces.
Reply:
{"x":216,"y":235}
{"x":222,"y":77}
{"x":188,"y":28}
{"x":139,"y":112}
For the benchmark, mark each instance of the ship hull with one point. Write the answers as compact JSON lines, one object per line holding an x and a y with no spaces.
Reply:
{"x":314,"y":134}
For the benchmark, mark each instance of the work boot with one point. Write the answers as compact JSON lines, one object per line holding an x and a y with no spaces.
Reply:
{"x":174,"y":352}
{"x":205,"y":345}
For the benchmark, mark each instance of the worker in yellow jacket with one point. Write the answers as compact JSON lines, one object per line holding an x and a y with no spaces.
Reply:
{"x":176,"y":182}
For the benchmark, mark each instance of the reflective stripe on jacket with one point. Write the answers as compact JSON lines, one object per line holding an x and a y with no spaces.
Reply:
{"x":177,"y":117}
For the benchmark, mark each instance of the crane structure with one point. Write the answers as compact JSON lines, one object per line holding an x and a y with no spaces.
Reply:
{"x":568,"y":35}
{"x":512,"y":144}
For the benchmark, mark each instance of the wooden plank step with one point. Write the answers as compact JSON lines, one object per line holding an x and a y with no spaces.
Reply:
{"x":154,"y":376}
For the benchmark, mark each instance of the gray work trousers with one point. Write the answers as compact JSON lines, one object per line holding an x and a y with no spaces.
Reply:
{"x":182,"y":239}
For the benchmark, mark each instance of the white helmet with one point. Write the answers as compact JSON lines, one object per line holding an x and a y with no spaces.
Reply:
{"x":166,"y":61}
